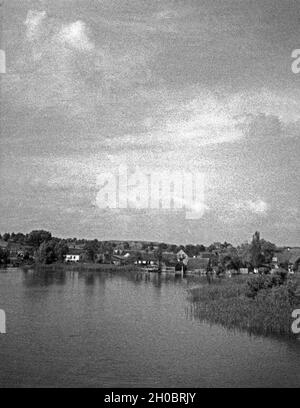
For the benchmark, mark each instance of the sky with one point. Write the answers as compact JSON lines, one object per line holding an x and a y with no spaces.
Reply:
{"x":193,"y":86}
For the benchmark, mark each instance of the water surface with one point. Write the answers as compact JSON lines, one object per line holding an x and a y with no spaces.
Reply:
{"x":98,"y":329}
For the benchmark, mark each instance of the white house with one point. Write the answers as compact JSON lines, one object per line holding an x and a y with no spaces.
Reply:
{"x":73,"y":255}
{"x":72,"y":258}
{"x":182,"y":256}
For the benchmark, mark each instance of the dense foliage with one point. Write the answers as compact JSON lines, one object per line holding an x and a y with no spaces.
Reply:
{"x":267,"y":311}
{"x":223,"y":256}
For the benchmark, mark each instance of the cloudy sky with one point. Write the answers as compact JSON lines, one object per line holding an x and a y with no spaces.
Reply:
{"x":199,"y":85}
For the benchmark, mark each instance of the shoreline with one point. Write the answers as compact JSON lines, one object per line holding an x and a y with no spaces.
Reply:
{"x":228,"y":304}
{"x":83,"y":266}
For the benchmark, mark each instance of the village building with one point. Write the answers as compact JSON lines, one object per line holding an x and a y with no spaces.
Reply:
{"x":182,"y":257}
{"x":288,"y":258}
{"x":212,"y":256}
{"x":125,"y":258}
{"x":146,"y":258}
{"x":16,"y":249}
{"x":198,"y":265}
{"x":74,"y":255}
{"x":118,"y":260}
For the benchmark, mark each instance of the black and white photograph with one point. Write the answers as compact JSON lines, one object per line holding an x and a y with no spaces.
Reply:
{"x":150,"y":197}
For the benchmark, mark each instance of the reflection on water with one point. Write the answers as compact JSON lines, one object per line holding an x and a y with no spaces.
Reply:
{"x":43,"y":277}
{"x":49,"y":276}
{"x":128,"y":329}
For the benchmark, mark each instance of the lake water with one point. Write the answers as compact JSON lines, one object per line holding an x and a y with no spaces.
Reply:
{"x":83,"y":329}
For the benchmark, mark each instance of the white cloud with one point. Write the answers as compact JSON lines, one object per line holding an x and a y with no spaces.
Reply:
{"x":75,"y":35}
{"x":239,"y":212}
{"x":286,"y":107}
{"x":210,"y":121}
{"x":205,"y":120}
{"x":211,"y":118}
{"x":257,"y":207}
{"x":33,"y":23}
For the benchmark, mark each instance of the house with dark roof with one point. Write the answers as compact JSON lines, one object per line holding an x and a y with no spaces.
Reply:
{"x":74,"y":255}
{"x":123,"y":259}
{"x":16,"y":249}
{"x":212,"y":256}
{"x":118,"y":259}
{"x":198,"y":265}
{"x":289,"y":258}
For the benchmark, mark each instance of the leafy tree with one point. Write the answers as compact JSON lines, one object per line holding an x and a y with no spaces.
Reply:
{"x":158,"y":256}
{"x":173,"y":248}
{"x":6,"y":236}
{"x":90,"y":250}
{"x":211,"y":248}
{"x":36,"y":237}
{"x":46,"y":252}
{"x":264,"y":282}
{"x":4,"y":255}
{"x":200,"y":248}
{"x":245,"y":255}
{"x":151,"y":246}
{"x":60,"y":250}
{"x":144,"y":245}
{"x":267,"y":250}
{"x":163,"y":247}
{"x":19,"y":237}
{"x":220,"y":269}
{"x":230,"y":259}
{"x":191,"y":250}
{"x":255,"y":250}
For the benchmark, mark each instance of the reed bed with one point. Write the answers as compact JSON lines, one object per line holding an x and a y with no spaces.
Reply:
{"x":229,"y":303}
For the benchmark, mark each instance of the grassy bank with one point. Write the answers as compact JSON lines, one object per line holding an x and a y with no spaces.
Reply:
{"x":255,"y":304}
{"x":85,"y":266}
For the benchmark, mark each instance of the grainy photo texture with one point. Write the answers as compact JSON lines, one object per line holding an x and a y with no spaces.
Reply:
{"x":149,"y":196}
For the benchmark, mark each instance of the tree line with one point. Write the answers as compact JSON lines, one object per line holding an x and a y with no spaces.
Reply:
{"x":47,"y":249}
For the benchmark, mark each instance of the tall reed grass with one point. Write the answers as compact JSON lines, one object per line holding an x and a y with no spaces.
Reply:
{"x":228,"y":303}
